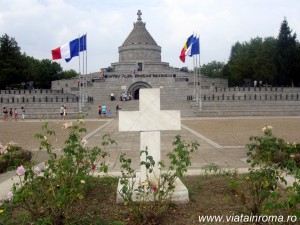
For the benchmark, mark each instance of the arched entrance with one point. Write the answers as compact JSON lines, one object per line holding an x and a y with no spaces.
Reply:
{"x":134,"y":89}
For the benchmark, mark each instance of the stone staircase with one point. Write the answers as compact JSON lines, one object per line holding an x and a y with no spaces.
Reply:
{"x":239,"y":101}
{"x":249,"y":108}
{"x":40,"y":103}
{"x":250,"y":102}
{"x":171,"y":99}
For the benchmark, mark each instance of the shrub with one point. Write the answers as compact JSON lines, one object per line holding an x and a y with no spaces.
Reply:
{"x":48,"y":194}
{"x":12,"y":157}
{"x":270,"y":150}
{"x":149,"y":199}
{"x":276,"y":159}
{"x":260,"y":184}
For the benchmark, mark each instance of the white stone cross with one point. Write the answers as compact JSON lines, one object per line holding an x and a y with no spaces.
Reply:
{"x":150,"y":120}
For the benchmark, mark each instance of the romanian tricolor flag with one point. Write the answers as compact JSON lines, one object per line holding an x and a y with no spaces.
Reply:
{"x":186,"y":45}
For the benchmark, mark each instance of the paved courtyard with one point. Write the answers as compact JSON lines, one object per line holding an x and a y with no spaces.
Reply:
{"x":221,"y":140}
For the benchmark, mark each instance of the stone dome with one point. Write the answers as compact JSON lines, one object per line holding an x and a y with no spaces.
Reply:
{"x":139,"y":45}
{"x":139,"y":34}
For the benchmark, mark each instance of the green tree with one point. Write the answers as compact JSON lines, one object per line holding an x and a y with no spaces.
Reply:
{"x":11,"y":62}
{"x":212,"y":69}
{"x":68,"y":74}
{"x":231,"y":69}
{"x":31,"y":72}
{"x":240,"y":66}
{"x":286,"y":56}
{"x":297,"y":66}
{"x":48,"y":71}
{"x":273,"y":61}
{"x":17,"y":68}
{"x":264,"y":66}
{"x":252,"y":60}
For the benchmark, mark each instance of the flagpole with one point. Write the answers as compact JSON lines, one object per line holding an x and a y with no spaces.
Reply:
{"x":86,"y":65}
{"x":194,"y":97}
{"x":200,"y":98}
{"x":79,"y":102}
{"x":197,"y":80}
{"x":83,"y":76}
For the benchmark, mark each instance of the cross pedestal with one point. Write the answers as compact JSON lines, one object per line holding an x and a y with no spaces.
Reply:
{"x":150,"y":120}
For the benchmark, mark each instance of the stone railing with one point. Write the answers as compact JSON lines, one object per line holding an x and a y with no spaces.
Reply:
{"x":33,"y":99}
{"x":249,"y":93}
{"x":41,"y":98}
{"x":252,"y":96}
{"x":33,"y":91}
{"x":256,"y":89}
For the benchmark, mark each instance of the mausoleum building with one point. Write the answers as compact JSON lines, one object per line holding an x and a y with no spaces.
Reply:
{"x":140,"y":66}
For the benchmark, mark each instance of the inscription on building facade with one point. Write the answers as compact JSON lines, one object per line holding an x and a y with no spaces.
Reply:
{"x":173,"y":75}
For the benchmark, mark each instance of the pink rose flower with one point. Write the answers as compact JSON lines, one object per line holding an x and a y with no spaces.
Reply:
{"x":37,"y":170}
{"x":10,"y":195}
{"x":20,"y":170}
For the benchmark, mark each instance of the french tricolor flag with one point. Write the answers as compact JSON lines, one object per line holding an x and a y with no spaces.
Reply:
{"x":70,"y":50}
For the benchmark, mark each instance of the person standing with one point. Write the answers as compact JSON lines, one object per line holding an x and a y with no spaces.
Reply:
{"x":16,"y":114}
{"x":5,"y":114}
{"x":103,"y":111}
{"x":10,"y":114}
{"x":99,"y":112}
{"x":61,"y":112}
{"x":109,"y":113}
{"x":65,"y":112}
{"x":255,"y":83}
{"x":23,"y":112}
{"x":112,"y":97}
{"x":117,"y":109}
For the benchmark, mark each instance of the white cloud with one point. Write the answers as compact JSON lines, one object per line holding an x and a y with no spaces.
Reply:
{"x":41,"y":25}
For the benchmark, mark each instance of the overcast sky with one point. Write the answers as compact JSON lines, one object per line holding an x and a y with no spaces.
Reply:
{"x":41,"y":25}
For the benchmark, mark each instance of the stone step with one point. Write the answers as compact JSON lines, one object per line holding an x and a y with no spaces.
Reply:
{"x":247,"y":108}
{"x":133,"y":105}
{"x":230,"y":113}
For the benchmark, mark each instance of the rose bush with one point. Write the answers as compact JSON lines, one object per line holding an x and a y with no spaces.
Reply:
{"x":48,"y":193}
{"x":11,"y":156}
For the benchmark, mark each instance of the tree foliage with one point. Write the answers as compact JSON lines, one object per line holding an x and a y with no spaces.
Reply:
{"x":17,"y":68}
{"x":213,"y":69}
{"x":11,"y":61}
{"x":274,"y":61}
{"x":286,"y":56}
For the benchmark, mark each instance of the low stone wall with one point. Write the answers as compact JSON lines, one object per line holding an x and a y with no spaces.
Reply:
{"x":37,"y":98}
{"x":33,"y":91}
{"x":252,"y":96}
{"x":257,"y":89}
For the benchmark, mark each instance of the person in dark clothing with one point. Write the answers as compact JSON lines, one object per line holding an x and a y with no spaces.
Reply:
{"x":117,"y":109}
